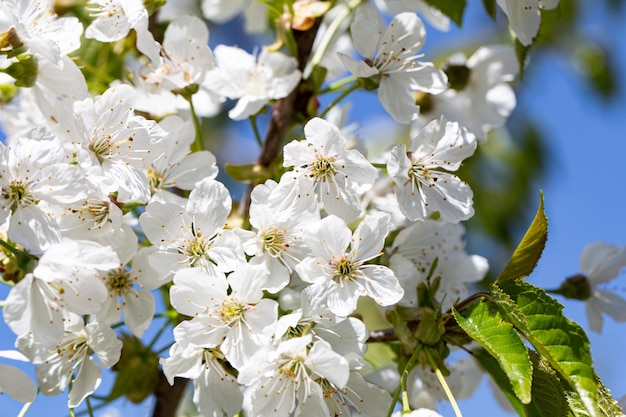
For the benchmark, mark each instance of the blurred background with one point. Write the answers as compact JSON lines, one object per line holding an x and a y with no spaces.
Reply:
{"x":566,"y":137}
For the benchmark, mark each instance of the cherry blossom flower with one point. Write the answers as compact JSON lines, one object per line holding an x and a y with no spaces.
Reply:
{"x":391,"y":57}
{"x":231,"y":314}
{"x":193,"y":236}
{"x":216,"y":392}
{"x":337,"y":266}
{"x":599,"y":263}
{"x":176,"y":167}
{"x":480,"y":97}
{"x":185,"y":56}
{"x":325,"y":172}
{"x":276,"y":240}
{"x":281,"y":378}
{"x":413,"y":255}
{"x":71,"y":361}
{"x":113,"y":19}
{"x":252,"y":80}
{"x":37,"y":29}
{"x":525,"y":17}
{"x":64,"y":281}
{"x":422,"y":187}
{"x":35,"y":169}
{"x":109,"y":135}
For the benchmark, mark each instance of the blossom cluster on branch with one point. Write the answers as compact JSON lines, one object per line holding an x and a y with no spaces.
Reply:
{"x":109,"y":199}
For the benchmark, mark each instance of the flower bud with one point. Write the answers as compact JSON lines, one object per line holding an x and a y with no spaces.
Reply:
{"x":576,"y":287}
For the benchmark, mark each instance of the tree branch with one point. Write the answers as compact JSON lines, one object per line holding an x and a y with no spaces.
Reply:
{"x":284,"y":111}
{"x":168,"y":396}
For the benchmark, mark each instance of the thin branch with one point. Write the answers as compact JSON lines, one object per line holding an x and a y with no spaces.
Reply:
{"x":168,"y":396}
{"x":284,"y":112}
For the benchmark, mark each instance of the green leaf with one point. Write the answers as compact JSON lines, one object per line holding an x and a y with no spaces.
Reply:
{"x":529,"y":250}
{"x":485,"y":324}
{"x":562,"y":343}
{"x":454,"y":9}
{"x":492,"y":367}
{"x":548,"y":395}
{"x":608,"y":406}
{"x":490,"y":8}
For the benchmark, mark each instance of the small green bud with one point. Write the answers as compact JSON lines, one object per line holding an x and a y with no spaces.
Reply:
{"x":576,"y":287}
{"x":25,"y":70}
{"x":370,"y":83}
{"x":430,"y":328}
{"x":10,"y":44}
{"x":458,"y":76}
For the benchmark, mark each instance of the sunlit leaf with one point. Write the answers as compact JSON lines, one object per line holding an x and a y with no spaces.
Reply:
{"x":562,"y":343}
{"x":485,"y":325}
{"x":529,"y":250}
{"x":454,"y":9}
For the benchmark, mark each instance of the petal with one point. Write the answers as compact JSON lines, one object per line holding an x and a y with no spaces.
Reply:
{"x":17,"y":384}
{"x":394,"y":95}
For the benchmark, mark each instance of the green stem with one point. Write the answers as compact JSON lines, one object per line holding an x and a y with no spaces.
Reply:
{"x":338,"y":85}
{"x":89,"y":409}
{"x":402,"y":386}
{"x":94,"y":408}
{"x":24,"y":409}
{"x":197,"y":144}
{"x":102,"y":75}
{"x":255,"y":129}
{"x":444,"y":384}
{"x":10,"y":248}
{"x":158,"y":334}
{"x":329,"y":35}
{"x":340,"y":97}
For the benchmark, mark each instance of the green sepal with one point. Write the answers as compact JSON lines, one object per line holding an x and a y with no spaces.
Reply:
{"x":562,"y":343}
{"x":485,"y":324}
{"x":528,"y":252}
{"x":490,"y":8}
{"x":454,"y":9}
{"x":522,"y":53}
{"x":25,"y":70}
{"x":403,"y":332}
{"x":249,"y":173}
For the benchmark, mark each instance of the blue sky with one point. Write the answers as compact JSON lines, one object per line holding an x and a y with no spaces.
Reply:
{"x":585,"y":192}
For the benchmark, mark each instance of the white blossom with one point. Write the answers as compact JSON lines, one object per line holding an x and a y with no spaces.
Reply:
{"x":484,"y":99}
{"x":194,"y":235}
{"x":599,"y":263}
{"x":231,"y":314}
{"x":252,"y":80}
{"x":391,"y":56}
{"x":325,"y":172}
{"x":185,"y":56}
{"x":35,"y":169}
{"x":422,"y":183}
{"x":337,"y":266}
{"x":71,"y":361}
{"x":113,"y":19}
{"x":525,"y":17}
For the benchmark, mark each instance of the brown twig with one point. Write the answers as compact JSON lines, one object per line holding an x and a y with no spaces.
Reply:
{"x":284,"y":112}
{"x":168,"y":396}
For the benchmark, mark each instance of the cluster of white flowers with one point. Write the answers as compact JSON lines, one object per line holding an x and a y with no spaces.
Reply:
{"x":108,"y":204}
